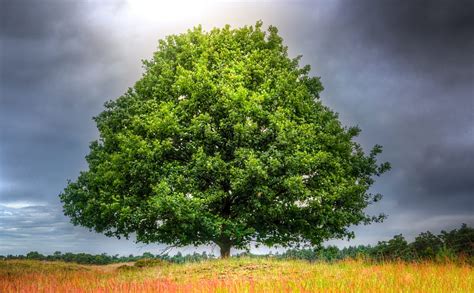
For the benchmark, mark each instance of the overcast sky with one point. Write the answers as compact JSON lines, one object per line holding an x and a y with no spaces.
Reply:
{"x":401,"y":70}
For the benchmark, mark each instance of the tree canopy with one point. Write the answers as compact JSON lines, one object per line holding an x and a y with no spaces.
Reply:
{"x":224,"y":140}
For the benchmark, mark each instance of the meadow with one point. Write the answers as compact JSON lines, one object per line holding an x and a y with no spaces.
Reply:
{"x":236,"y":275}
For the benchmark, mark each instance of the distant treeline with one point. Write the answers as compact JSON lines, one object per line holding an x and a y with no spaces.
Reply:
{"x":104,"y":258}
{"x":454,"y":245}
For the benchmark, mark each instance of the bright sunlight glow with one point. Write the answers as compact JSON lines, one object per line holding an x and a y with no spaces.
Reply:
{"x":168,"y":11}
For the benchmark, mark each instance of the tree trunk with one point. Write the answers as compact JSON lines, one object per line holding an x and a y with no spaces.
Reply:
{"x":225,"y":248}
{"x":225,"y":251}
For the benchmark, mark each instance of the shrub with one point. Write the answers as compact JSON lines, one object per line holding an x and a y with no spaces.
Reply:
{"x":150,"y":262}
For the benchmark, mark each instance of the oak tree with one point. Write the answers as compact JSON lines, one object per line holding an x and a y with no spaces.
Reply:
{"x":224,"y":140}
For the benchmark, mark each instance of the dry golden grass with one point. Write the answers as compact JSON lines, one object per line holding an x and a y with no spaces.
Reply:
{"x":237,"y":275}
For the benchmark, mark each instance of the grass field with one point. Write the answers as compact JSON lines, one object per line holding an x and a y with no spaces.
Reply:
{"x":236,"y":275}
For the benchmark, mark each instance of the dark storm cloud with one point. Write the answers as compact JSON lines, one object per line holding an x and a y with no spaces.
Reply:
{"x":406,"y":77}
{"x":433,"y":43}
{"x":58,"y":63}
{"x":444,"y":170}
{"x":419,"y":31}
{"x":34,"y":19}
{"x":404,"y":72}
{"x":56,"y":71}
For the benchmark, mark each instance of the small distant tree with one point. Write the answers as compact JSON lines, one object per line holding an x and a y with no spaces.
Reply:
{"x":147,"y":255}
{"x":427,"y":245}
{"x":34,"y":255}
{"x":224,"y":140}
{"x":459,"y":241}
{"x":395,"y":248}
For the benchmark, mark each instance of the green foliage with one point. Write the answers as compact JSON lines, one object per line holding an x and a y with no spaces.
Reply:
{"x":427,"y":245}
{"x":395,"y":248}
{"x":144,"y":260}
{"x":329,"y":254}
{"x":460,"y":241}
{"x":453,"y":246}
{"x":446,"y":254}
{"x":224,"y":140}
{"x":34,"y":255}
